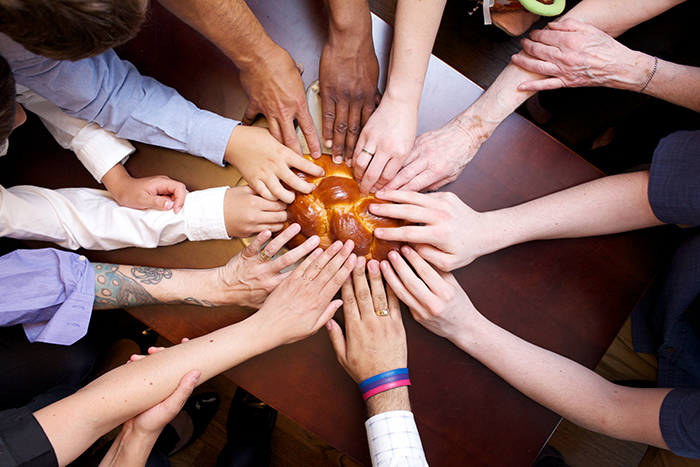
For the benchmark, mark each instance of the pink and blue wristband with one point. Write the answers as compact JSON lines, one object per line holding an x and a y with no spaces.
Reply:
{"x":384,"y":381}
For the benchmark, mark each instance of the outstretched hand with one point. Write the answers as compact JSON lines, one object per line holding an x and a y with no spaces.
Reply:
{"x":264,"y":163}
{"x":157,"y":192}
{"x":573,"y":54}
{"x":348,"y":84}
{"x":439,"y":156}
{"x":276,"y":90}
{"x":444,"y":230}
{"x":372,"y":344}
{"x":249,"y":278}
{"x":435,"y":298}
{"x":301,"y":304}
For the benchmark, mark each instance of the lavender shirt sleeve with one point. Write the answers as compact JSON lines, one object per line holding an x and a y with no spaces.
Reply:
{"x":112,"y":93}
{"x":50,"y":292}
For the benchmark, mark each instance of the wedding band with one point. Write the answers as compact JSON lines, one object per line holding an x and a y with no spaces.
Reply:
{"x":264,"y":255}
{"x":371,"y":154}
{"x":382,"y":312}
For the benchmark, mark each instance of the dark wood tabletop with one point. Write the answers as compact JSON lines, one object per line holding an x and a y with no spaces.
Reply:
{"x":569,"y":296}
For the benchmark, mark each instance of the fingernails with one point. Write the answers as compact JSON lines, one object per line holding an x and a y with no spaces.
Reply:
{"x":328,"y":143}
{"x":169,"y":204}
{"x":378,"y":232}
{"x":393,"y":256}
{"x":329,"y":326}
{"x":337,"y":159}
{"x":381,"y":192}
{"x":373,"y":267}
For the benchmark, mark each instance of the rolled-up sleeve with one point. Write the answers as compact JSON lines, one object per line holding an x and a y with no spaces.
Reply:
{"x":674,"y":184}
{"x":50,"y":292}
{"x":679,"y":419}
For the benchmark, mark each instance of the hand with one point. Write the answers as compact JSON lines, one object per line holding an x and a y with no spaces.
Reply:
{"x":248,"y":279}
{"x":263,"y":162}
{"x":246,"y":213}
{"x":374,"y":344}
{"x":439,"y":156}
{"x":435,"y":298}
{"x":574,"y":54}
{"x":389,"y":135}
{"x":159,"y":192}
{"x":153,"y":420}
{"x":301,"y":304}
{"x":349,"y":72}
{"x":444,"y":230}
{"x":276,"y":90}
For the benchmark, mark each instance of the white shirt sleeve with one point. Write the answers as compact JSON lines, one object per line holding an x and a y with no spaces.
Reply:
{"x":394,"y":440}
{"x":85,"y":218}
{"x":97,"y":149}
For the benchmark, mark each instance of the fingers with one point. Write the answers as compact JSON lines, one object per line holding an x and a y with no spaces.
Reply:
{"x":252,"y":250}
{"x":327,"y":119}
{"x":541,"y":85}
{"x":308,"y":129}
{"x":363,"y":294}
{"x":379,"y":297}
{"x":177,"y":399}
{"x":408,"y":173}
{"x":354,"y":126}
{"x":340,"y":129}
{"x":396,"y":284}
{"x":294,"y":255}
{"x":178,"y":197}
{"x":337,"y":338}
{"x":426,"y":272}
{"x":361,"y":158}
{"x":347,"y":293}
{"x":373,"y":172}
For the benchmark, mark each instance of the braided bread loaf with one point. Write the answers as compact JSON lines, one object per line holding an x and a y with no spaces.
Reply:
{"x":336,"y":210}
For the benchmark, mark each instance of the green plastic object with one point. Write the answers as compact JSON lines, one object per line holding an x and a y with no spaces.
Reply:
{"x":542,"y":9}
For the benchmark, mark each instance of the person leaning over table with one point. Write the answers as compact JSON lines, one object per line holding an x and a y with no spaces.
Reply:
{"x":103,"y":89}
{"x":300,"y":304}
{"x":665,"y":322}
{"x":576,"y":50}
{"x":93,"y":219}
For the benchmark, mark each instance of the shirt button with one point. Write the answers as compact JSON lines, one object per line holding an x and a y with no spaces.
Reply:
{"x":82,"y":258}
{"x":670,"y":349}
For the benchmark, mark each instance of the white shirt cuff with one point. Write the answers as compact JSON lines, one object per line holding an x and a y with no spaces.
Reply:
{"x":393,"y":436}
{"x":204,"y":214}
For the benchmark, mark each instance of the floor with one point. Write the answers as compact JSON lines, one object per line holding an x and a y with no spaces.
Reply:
{"x":479,"y":53}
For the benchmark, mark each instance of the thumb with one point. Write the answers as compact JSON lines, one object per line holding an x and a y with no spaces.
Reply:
{"x":337,"y":338}
{"x":163,"y":203}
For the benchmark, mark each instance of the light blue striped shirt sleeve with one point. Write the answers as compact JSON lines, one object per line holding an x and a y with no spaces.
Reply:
{"x":110,"y":92}
{"x":50,"y":292}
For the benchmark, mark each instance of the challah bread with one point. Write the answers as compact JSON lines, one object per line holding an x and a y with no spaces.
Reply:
{"x":336,"y":210}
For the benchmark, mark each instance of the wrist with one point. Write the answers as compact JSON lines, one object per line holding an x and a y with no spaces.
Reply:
{"x":387,"y":401}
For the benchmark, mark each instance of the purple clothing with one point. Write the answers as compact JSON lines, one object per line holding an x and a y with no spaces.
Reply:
{"x":50,"y":292}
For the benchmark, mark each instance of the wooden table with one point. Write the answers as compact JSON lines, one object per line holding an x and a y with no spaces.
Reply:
{"x":570,"y":296}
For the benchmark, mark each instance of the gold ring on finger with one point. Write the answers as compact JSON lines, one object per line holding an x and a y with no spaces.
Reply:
{"x":371,"y":154}
{"x":264,"y":255}
{"x":382,"y":312}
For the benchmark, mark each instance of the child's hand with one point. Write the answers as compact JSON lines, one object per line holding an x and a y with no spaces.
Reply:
{"x":158,"y":192}
{"x":246,"y":213}
{"x":265,"y":163}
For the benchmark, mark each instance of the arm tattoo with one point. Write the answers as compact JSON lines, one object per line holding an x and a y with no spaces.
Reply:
{"x":116,"y":290}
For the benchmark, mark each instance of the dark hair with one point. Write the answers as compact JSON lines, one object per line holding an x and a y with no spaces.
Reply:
{"x":71,"y":29}
{"x":7,"y":100}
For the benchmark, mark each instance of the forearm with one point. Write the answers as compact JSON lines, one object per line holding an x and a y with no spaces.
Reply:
{"x":604,"y":206}
{"x":74,"y":423}
{"x":229,"y":24}
{"x":564,"y":386}
{"x":122,"y":286}
{"x":617,"y":17}
{"x":677,"y":84}
{"x":415,"y":29}
{"x":393,"y":399}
